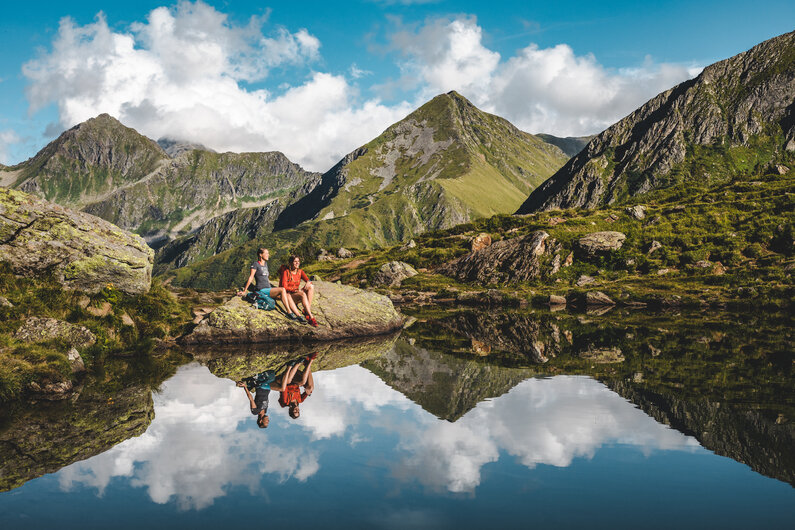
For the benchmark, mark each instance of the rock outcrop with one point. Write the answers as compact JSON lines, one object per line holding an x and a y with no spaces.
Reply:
{"x":506,"y":261}
{"x":745,"y":101}
{"x":341,"y":312}
{"x":37,"y":329}
{"x":600,"y":242}
{"x":393,"y":273}
{"x":77,"y":250}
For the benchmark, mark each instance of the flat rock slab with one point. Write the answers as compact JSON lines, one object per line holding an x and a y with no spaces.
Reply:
{"x":37,"y":329}
{"x":601,"y":242}
{"x":341,"y":312}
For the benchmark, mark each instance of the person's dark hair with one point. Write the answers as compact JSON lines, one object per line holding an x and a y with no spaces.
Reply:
{"x":261,"y":421}
{"x":261,"y":251}
{"x":290,"y":260}
{"x":294,"y":411}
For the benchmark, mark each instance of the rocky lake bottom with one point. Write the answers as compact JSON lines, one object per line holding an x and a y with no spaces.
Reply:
{"x":464,"y":419}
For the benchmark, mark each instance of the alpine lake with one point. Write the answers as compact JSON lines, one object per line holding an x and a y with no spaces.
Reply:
{"x":466,"y":419}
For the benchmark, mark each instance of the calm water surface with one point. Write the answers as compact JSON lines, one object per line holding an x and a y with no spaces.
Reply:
{"x":416,"y":437}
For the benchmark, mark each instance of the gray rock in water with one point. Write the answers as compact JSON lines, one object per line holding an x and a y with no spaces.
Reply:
{"x":82,"y":252}
{"x":393,"y":273}
{"x":506,"y":261}
{"x":637,"y":212}
{"x":344,"y":253}
{"x":341,"y":311}
{"x":597,"y":298}
{"x":556,"y":300}
{"x":37,"y":329}
{"x":601,"y":242}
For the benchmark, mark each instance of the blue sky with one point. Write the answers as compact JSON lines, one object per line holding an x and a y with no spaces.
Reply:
{"x":317,"y":79}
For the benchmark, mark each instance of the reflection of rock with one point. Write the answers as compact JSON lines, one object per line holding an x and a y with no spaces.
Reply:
{"x":741,"y":433}
{"x":444,"y":385}
{"x":45,"y":438}
{"x":236,"y":362}
{"x":602,"y":355}
{"x":341,"y":312}
{"x":480,"y":347}
{"x":480,"y":242}
{"x":43,"y":329}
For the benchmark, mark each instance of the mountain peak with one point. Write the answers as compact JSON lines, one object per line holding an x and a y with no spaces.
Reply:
{"x":735,"y":118}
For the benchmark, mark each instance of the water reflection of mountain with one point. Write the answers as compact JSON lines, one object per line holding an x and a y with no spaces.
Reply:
{"x":444,"y":385}
{"x":42,"y":438}
{"x":741,"y":433}
{"x":728,"y":385}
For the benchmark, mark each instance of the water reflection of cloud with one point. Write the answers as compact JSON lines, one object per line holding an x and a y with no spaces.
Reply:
{"x":341,"y":396}
{"x":193,"y":450}
{"x":203,"y":440}
{"x":541,"y":421}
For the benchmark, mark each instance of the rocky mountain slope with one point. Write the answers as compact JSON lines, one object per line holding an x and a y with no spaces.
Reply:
{"x":445,"y":164}
{"x":571,"y":145}
{"x":114,"y":172}
{"x":736,"y":117}
{"x":87,"y":161}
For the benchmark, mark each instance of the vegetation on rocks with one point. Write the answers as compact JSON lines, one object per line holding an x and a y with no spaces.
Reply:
{"x":123,"y":324}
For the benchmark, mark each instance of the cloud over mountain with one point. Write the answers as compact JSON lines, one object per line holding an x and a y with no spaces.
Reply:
{"x":191,"y":73}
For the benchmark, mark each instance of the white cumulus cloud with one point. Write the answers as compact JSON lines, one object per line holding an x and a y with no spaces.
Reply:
{"x":550,"y":90}
{"x":183,"y":73}
{"x":7,"y":137}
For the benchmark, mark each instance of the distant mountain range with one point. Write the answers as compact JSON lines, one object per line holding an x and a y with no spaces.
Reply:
{"x":112,"y":171}
{"x":736,"y":117}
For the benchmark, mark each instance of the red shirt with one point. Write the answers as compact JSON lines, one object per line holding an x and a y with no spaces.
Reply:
{"x":292,"y":280}
{"x":291,"y":394}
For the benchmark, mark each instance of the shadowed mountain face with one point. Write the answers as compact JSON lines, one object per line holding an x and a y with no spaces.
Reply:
{"x":115,"y":173}
{"x":571,"y":145}
{"x":736,"y":117}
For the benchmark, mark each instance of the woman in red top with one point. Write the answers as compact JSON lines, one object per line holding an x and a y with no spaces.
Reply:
{"x":290,"y":279}
{"x":291,"y":395}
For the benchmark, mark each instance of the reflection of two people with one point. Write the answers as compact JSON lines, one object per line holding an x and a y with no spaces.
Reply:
{"x":288,"y":385}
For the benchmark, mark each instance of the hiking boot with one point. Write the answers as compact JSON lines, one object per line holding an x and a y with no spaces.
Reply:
{"x":300,"y":319}
{"x":311,"y":356}
{"x":312,"y":321}
{"x":292,"y":316}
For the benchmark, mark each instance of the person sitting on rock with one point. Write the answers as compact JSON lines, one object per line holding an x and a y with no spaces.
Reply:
{"x":263,"y":382}
{"x":291,"y":395}
{"x":290,"y":278}
{"x":261,"y":282}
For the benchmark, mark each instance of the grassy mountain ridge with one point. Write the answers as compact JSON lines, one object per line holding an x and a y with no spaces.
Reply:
{"x":736,"y":117}
{"x":445,"y":164}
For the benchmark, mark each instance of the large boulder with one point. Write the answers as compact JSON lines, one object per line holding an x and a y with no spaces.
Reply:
{"x":79,"y":250}
{"x":393,"y":273}
{"x":341,"y":312}
{"x":506,"y":261}
{"x":600,"y":242}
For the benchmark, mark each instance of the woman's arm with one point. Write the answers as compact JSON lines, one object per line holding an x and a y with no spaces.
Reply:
{"x":250,"y":279}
